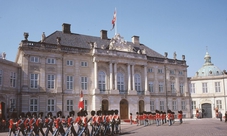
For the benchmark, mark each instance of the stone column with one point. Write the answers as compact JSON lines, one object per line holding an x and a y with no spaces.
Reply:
{"x":129,"y":77}
{"x":145,"y":80}
{"x":95,"y":75}
{"x":115,"y":76}
{"x":111,"y":75}
{"x":133,"y":78}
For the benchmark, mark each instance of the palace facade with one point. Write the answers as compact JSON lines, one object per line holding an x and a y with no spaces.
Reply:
{"x":49,"y":75}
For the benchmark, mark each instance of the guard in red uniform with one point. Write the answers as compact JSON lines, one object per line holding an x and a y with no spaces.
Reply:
{"x":49,"y":124}
{"x":180,"y":116}
{"x":32,"y":124}
{"x":117,"y":121}
{"x":169,"y":116}
{"x":137,"y":118}
{"x":70,"y":126}
{"x":20,"y":124}
{"x":26,"y":123}
{"x":12,"y":124}
{"x":157,"y":116}
{"x":39,"y":123}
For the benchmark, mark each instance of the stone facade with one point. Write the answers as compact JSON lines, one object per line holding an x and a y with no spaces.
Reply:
{"x":111,"y":73}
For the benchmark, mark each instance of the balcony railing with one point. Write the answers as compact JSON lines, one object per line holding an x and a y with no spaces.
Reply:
{"x":102,"y":91}
{"x":123,"y":91}
{"x":140,"y":92}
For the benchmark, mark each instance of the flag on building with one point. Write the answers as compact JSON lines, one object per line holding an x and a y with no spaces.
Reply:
{"x":114,"y":19}
{"x":81,"y":102}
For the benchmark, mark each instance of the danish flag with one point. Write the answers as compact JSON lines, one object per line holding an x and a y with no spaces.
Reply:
{"x":114,"y":18}
{"x":81,"y":102}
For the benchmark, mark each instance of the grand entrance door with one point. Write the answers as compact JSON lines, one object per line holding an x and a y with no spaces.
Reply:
{"x":124,"y":109}
{"x":141,"y":106}
{"x":105,"y":105}
{"x":206,"y":110}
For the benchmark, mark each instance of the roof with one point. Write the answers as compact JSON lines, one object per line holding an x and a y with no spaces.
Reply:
{"x":82,"y":41}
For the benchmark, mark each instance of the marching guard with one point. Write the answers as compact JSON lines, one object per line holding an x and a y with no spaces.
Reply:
{"x":20,"y":125}
{"x":39,"y":124}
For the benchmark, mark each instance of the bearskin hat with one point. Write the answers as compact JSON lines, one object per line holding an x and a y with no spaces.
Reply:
{"x":130,"y":113}
{"x":92,"y":112}
{"x":34,"y":114}
{"x":85,"y":113}
{"x":112,"y":112}
{"x":49,"y":114}
{"x":28,"y":114}
{"x":137,"y":112}
{"x":116,"y":112}
{"x":41,"y":114}
{"x":59,"y":114}
{"x":71,"y":113}
{"x":22,"y":115}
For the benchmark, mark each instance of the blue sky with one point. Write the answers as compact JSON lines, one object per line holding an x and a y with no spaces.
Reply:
{"x":186,"y":27}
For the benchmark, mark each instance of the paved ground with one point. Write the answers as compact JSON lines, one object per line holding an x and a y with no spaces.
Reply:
{"x":190,"y":127}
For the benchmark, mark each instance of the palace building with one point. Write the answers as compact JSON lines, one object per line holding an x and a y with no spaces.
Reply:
{"x":208,"y":90}
{"x":49,"y":75}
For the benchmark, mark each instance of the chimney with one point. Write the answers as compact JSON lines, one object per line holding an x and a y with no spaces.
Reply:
{"x":66,"y":28}
{"x":103,"y":34}
{"x":135,"y":39}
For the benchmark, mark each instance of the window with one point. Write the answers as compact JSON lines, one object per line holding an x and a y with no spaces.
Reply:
{"x":172,"y":87}
{"x":12,"y":104}
{"x":120,"y":81}
{"x":160,"y":88}
{"x":204,"y":87}
{"x":1,"y":73}
{"x":183,"y":105}
{"x":180,"y":72}
{"x":33,"y":105}
{"x":50,"y":81}
{"x":51,"y":61}
{"x":69,"y":62}
{"x":84,"y":83}
{"x":50,"y":105}
{"x":174,"y":105}
{"x":85,"y":105}
{"x":149,"y":70}
{"x":69,"y":82}
{"x":152,"y":108}
{"x":193,"y":104}
{"x":13,"y":79}
{"x":137,"y":82}
{"x":151,"y":87}
{"x":192,"y":87}
{"x":34,"y":81}
{"x":217,"y":87}
{"x":181,"y":88}
{"x":102,"y":81}
{"x":84,"y":64}
{"x":159,"y":70}
{"x":172,"y":72}
{"x":34,"y":59}
{"x":219,"y":104}
{"x":162,"y":105}
{"x":69,"y":105}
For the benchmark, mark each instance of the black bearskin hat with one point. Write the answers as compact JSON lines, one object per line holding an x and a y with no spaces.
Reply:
{"x":49,"y":114}
{"x":59,"y":114}
{"x":85,"y":113}
{"x":22,"y":115}
{"x":116,"y":112}
{"x":71,"y":113}
{"x":28,"y":114}
{"x":41,"y":114}
{"x":34,"y":114}
{"x":92,"y":112}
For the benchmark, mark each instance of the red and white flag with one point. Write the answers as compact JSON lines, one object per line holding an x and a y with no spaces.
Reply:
{"x":81,"y":102}
{"x":114,"y":18}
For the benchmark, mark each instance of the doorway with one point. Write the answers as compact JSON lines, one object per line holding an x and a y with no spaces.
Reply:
{"x":206,"y":110}
{"x":124,"y":109}
{"x":141,"y":106}
{"x":105,"y":105}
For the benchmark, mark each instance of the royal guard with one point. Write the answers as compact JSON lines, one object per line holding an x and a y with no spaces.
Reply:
{"x":197,"y":113}
{"x":39,"y":123}
{"x":117,"y":121}
{"x":216,"y":112}
{"x":157,"y":116}
{"x":26,"y":123}
{"x":164,"y":117}
{"x":49,"y":124}
{"x":107,"y":129}
{"x":63,"y":122}
{"x":99,"y":121}
{"x":145,"y":118}
{"x":137,"y":118}
{"x":32,"y":124}
{"x":173,"y":117}
{"x":92,"y":122}
{"x":12,"y":124}
{"x":130,"y":118}
{"x":169,"y":116}
{"x":20,"y":124}
{"x":84,"y":122}
{"x":160,"y":118}
{"x":112,"y":121}
{"x":58,"y":125}
{"x":70,"y":126}
{"x":180,"y":116}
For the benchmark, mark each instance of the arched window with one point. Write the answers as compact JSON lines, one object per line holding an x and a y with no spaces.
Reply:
{"x":120,"y":82}
{"x":137,"y":82}
{"x":102,"y":81}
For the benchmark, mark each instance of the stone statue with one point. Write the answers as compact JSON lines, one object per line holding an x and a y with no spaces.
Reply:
{"x":174,"y":55}
{"x":58,"y":40}
{"x":183,"y":57}
{"x":4,"y":55}
{"x":166,"y":54}
{"x":26,"y":36}
{"x":43,"y":37}
{"x":143,"y":51}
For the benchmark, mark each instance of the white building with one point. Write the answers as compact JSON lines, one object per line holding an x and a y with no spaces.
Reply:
{"x":112,"y":73}
{"x":208,"y":89}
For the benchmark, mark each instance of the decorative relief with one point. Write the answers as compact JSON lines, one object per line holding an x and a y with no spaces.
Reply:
{"x":36,"y":68}
{"x":172,"y":78}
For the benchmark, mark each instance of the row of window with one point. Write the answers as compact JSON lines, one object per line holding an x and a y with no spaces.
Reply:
{"x":160,"y":87}
{"x":51,"y":105}
{"x":162,"y":105}
{"x":172,"y":72}
{"x":53,"y":61}
{"x":205,"y":87}
{"x":218,"y":104}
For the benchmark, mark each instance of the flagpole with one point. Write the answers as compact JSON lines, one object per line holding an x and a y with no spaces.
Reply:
{"x":115,"y":29}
